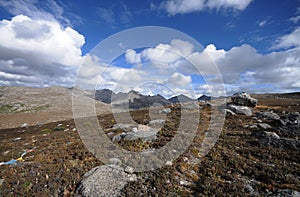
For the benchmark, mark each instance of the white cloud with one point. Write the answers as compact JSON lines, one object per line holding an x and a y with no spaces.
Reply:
{"x":48,"y":10}
{"x":289,"y":40}
{"x":107,"y":15}
{"x":183,"y":6}
{"x":178,"y":79}
{"x":167,"y":53}
{"x":242,"y":68}
{"x":115,"y":14}
{"x":262,"y":23}
{"x":295,"y":19}
{"x":132,"y":57}
{"x":174,"y":7}
{"x":228,"y":4}
{"x":51,"y":55}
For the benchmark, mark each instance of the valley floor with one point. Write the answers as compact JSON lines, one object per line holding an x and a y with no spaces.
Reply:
{"x":245,"y":161}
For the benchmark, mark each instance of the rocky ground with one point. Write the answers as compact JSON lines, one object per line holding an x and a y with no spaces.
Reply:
{"x":255,"y":155}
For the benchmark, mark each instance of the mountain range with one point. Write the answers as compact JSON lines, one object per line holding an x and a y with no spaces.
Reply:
{"x":136,"y":100}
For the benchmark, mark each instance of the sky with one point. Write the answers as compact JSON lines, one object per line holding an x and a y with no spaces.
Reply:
{"x":223,"y":46}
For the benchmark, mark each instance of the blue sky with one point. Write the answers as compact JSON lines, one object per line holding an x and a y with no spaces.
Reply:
{"x":255,"y":44}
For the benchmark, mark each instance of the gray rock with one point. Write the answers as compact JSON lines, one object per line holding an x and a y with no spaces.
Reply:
{"x":279,"y":122}
{"x":268,"y":115}
{"x":156,"y":123}
{"x":286,"y":193}
{"x":243,"y":99}
{"x":254,"y":126}
{"x":292,"y":118}
{"x":24,"y":125}
{"x":129,"y":169}
{"x":272,"y":135}
{"x":143,"y":132}
{"x":124,"y":127}
{"x":264,"y":126}
{"x":272,"y":139}
{"x":164,"y":111}
{"x":240,"y":109}
{"x":1,"y":182}
{"x":104,"y":181}
{"x":265,"y":134}
{"x":118,"y":137}
{"x":229,"y":112}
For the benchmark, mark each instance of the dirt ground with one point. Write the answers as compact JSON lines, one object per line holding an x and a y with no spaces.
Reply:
{"x":238,"y":165}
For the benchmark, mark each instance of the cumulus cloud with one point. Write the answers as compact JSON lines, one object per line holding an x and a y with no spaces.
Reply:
{"x":289,"y":40}
{"x":174,"y":7}
{"x":178,"y":66}
{"x":37,"y":52}
{"x":132,"y":57}
{"x":167,"y":53}
{"x":178,"y":79}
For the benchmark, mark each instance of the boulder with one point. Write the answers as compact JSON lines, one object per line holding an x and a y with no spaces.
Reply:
{"x":158,"y":123}
{"x":106,"y":180}
{"x":124,"y":127}
{"x":228,"y":112}
{"x":240,"y":109}
{"x":243,"y":99}
{"x":142,"y":132}
{"x":274,"y":140}
{"x":292,"y":118}
{"x":268,"y":115}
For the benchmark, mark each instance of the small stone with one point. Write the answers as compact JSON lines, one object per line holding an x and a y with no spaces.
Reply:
{"x":134,"y":130}
{"x":272,"y":134}
{"x":129,"y":169}
{"x":184,"y":182}
{"x":24,"y":125}
{"x":1,"y":182}
{"x":169,"y":163}
{"x":264,"y":126}
{"x":132,"y":178}
{"x":254,"y":126}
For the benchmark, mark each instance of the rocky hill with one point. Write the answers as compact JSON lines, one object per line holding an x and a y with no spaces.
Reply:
{"x":180,"y":99}
{"x":132,"y":99}
{"x":20,"y":105}
{"x":204,"y":98}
